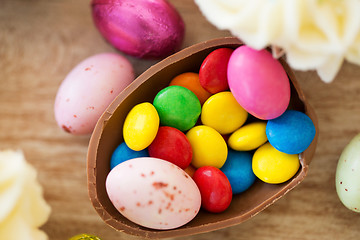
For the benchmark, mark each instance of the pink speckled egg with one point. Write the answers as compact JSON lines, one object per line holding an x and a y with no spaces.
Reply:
{"x":88,"y":90}
{"x":141,"y":28}
{"x":153,"y":193}
{"x":258,"y":82}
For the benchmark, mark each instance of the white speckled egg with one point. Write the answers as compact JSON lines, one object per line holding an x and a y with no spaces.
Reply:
{"x":348,"y":175}
{"x":153,"y":193}
{"x":88,"y":90}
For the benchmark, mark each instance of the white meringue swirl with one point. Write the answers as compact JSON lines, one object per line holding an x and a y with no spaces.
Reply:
{"x":314,"y":34}
{"x":22,"y":206}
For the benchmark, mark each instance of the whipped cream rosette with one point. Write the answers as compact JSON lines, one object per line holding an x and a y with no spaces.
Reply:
{"x":23,"y":209}
{"x":314,"y":34}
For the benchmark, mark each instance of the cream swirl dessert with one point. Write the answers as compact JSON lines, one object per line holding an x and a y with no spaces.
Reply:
{"x":314,"y":34}
{"x":23,"y":209}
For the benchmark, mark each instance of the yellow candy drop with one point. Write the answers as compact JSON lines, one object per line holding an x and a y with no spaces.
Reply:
{"x":141,"y":126}
{"x":84,"y":237}
{"x":248,"y":137}
{"x":209,"y":147}
{"x":273,"y":166}
{"x":223,"y":113}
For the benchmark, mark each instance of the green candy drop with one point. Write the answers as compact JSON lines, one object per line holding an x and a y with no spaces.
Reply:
{"x":177,"y":107}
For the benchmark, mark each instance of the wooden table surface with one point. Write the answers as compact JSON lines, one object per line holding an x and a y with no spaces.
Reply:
{"x":42,"y":40}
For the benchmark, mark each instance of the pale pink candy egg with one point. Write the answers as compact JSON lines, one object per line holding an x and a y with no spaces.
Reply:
{"x":153,"y":193}
{"x":258,"y":82}
{"x":88,"y":90}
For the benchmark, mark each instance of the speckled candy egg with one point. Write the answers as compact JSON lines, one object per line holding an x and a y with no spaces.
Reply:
{"x":258,"y":82}
{"x":348,"y":175}
{"x":153,"y":193}
{"x":88,"y":90}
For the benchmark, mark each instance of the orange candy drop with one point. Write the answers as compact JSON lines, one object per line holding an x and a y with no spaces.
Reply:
{"x":191,"y":81}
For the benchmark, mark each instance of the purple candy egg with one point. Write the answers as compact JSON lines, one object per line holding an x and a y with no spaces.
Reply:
{"x":141,"y":28}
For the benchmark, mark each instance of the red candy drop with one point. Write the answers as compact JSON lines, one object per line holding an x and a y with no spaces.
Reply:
{"x":213,"y":70}
{"x":215,"y":189}
{"x":172,"y":145}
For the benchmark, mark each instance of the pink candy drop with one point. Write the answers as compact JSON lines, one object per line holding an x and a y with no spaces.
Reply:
{"x":258,"y":82}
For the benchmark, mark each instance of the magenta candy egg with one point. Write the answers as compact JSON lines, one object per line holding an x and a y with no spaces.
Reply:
{"x":153,"y":193}
{"x":88,"y":90}
{"x":172,"y":145}
{"x":141,"y":28}
{"x":213,"y":70}
{"x":215,"y":189}
{"x":258,"y":82}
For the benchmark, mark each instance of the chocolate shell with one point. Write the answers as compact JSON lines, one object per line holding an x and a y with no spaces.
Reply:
{"x":107,"y":135}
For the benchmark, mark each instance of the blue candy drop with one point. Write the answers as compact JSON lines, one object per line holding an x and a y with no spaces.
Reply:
{"x":291,"y":133}
{"x":238,"y":169}
{"x":123,"y":153}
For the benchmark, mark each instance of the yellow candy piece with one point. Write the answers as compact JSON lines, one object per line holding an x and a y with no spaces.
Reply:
{"x":84,"y":237}
{"x":273,"y":166}
{"x":248,"y":137}
{"x":141,"y":126}
{"x":209,"y":147}
{"x":223,"y":113}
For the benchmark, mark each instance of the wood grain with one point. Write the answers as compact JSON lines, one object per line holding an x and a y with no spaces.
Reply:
{"x":40,"y":42}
